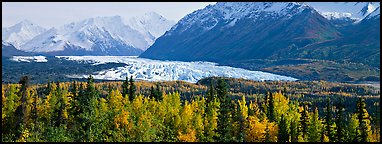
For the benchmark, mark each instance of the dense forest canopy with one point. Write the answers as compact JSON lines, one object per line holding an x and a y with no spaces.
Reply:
{"x":214,"y":109}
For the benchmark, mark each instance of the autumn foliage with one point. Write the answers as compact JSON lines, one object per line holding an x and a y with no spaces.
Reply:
{"x":105,"y":112}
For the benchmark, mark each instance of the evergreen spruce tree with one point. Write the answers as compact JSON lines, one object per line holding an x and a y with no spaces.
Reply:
{"x":340,"y":122}
{"x":22,"y":115}
{"x":329,"y":130}
{"x":74,"y":89}
{"x":271,"y":108}
{"x":224,"y":115}
{"x":48,"y":88}
{"x":61,"y":105}
{"x":132,"y":89}
{"x":158,"y":93}
{"x":56,"y":115}
{"x":210,"y":96}
{"x":34,"y":114}
{"x":75,"y":108}
{"x":210,"y":134}
{"x":81,"y":91}
{"x":283,"y":135}
{"x":152,"y":93}
{"x":304,"y":121}
{"x":87,"y":106}
{"x":125,"y":87}
{"x":211,"y":92}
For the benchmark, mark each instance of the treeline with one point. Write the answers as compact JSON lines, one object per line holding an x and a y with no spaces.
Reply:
{"x":132,"y":111}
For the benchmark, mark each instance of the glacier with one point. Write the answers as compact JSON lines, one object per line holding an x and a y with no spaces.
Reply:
{"x":156,"y":70}
{"x":29,"y":58}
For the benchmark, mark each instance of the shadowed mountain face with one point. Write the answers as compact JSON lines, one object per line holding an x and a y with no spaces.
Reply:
{"x":263,"y":33}
{"x":267,"y":31}
{"x":359,"y":43}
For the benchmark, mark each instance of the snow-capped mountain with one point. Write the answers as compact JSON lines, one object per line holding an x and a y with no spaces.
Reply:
{"x":241,"y":30}
{"x":5,"y":43}
{"x":374,"y":14}
{"x":21,"y":33}
{"x":8,"y":50}
{"x":100,"y":36}
{"x":342,"y":10}
{"x":231,"y":12}
{"x":107,"y":33}
{"x":151,"y":24}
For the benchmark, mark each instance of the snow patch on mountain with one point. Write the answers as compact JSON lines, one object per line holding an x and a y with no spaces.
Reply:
{"x":21,"y":33}
{"x":5,"y":43}
{"x":336,"y":15}
{"x":47,"y":42}
{"x":29,"y":59}
{"x":155,"y":70}
{"x":375,"y":13}
{"x":336,"y":10}
{"x":230,"y":12}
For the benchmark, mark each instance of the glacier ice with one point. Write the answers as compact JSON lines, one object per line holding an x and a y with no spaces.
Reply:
{"x":29,"y":58}
{"x":156,"y":70}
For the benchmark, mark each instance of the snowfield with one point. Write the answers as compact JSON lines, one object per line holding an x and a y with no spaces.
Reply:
{"x":29,"y":58}
{"x":156,"y":70}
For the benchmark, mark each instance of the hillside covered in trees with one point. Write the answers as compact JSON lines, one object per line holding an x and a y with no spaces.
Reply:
{"x":214,"y":109}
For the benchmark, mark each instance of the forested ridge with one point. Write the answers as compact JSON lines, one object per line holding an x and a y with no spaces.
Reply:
{"x":214,"y":109}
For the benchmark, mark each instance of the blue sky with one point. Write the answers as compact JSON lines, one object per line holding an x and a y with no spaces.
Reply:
{"x":54,"y":14}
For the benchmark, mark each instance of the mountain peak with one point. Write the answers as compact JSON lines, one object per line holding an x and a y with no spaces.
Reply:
{"x":223,"y":12}
{"x":151,"y":24}
{"x":367,"y":9}
{"x":25,"y":22}
{"x":21,"y":32}
{"x":375,"y":13}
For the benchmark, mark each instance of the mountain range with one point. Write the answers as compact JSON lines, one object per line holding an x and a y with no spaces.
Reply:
{"x":93,"y":36}
{"x":232,"y":32}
